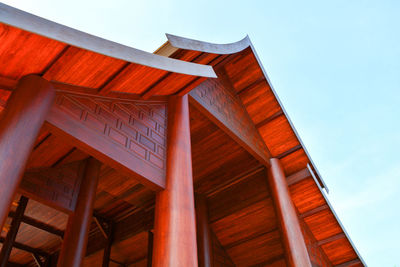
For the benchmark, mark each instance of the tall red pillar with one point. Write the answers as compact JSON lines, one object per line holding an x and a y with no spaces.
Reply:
{"x":75,"y":239}
{"x":295,"y":246}
{"x":175,"y":222}
{"x":20,"y":123}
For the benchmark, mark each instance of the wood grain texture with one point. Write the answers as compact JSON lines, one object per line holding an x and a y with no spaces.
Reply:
{"x":175,"y":222}
{"x":204,"y":239}
{"x":128,"y":135}
{"x":226,"y":110}
{"x":20,"y":124}
{"x":75,"y":240}
{"x":57,"y":187}
{"x":293,"y":239}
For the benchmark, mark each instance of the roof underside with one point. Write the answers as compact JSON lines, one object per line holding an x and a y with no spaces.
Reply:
{"x":99,"y":67}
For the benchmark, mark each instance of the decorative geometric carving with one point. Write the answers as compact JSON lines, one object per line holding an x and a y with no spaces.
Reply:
{"x":228,"y":110}
{"x":131,"y":133}
{"x":58,"y":187}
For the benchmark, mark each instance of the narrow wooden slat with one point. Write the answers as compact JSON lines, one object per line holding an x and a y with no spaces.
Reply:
{"x":252,"y":85}
{"x":349,"y":263}
{"x":12,"y":233}
{"x":27,"y":248}
{"x":314,"y":211}
{"x":288,"y":152}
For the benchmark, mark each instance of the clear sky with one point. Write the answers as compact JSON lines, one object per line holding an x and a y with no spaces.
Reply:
{"x":334,"y":64}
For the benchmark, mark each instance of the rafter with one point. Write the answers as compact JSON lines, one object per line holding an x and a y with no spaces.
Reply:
{"x":269,"y":119}
{"x":331,"y":239}
{"x":298,"y":176}
{"x":349,"y":263}
{"x":314,"y":211}
{"x":288,"y":152}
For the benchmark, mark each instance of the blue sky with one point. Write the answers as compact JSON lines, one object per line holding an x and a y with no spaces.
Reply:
{"x":334,"y":64}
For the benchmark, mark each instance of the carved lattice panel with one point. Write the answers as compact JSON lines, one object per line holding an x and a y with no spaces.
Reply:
{"x":130,"y":135}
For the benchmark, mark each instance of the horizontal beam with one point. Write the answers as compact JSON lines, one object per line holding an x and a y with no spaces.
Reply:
{"x":288,"y":152}
{"x":349,"y":263}
{"x":115,"y":134}
{"x":27,"y":248}
{"x":331,"y":239}
{"x":9,"y":84}
{"x":269,"y":119}
{"x":40,"y":225}
{"x":314,"y":211}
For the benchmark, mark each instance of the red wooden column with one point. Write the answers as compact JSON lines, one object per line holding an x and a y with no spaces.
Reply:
{"x":292,"y":236}
{"x":175,"y":222}
{"x":75,"y":239}
{"x":204,"y":244}
{"x":20,"y":123}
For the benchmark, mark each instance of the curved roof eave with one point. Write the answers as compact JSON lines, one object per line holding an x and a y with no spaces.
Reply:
{"x":222,"y":49}
{"x":37,"y":25}
{"x":233,"y":48}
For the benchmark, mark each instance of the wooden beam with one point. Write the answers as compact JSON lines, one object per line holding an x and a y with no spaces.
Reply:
{"x":226,"y":110}
{"x":150,"y":244}
{"x":204,"y":242}
{"x":349,"y":263}
{"x":190,"y":86}
{"x":116,"y":133}
{"x":75,"y":240}
{"x":12,"y":233}
{"x":20,"y":123}
{"x":38,"y":260}
{"x":27,"y":248}
{"x":288,"y":152}
{"x":269,"y":119}
{"x":40,"y":225}
{"x":252,"y":85}
{"x":110,"y":240}
{"x":293,"y":240}
{"x":314,"y":211}
{"x":298,"y":176}
{"x":100,"y":226}
{"x":331,"y":239}
{"x":175,"y":222}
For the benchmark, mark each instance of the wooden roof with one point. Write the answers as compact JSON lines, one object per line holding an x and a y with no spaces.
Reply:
{"x":241,"y":213}
{"x":247,"y":77}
